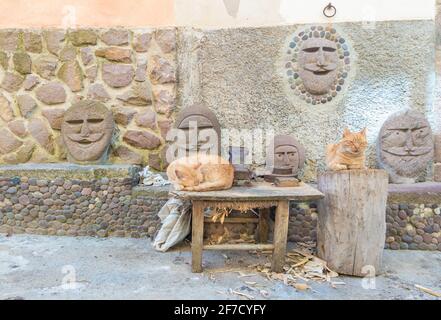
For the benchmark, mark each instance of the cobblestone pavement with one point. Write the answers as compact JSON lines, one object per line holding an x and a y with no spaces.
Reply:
{"x":44,"y":267}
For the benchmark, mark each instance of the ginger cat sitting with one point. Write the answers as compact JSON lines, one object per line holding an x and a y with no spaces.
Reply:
{"x":348,"y":153}
{"x":201,"y":172}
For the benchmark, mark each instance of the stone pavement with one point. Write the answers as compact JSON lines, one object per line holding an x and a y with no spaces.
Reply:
{"x":44,"y":267}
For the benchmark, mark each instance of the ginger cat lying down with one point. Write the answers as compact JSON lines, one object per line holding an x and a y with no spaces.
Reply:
{"x":201,"y":172}
{"x":348,"y":153}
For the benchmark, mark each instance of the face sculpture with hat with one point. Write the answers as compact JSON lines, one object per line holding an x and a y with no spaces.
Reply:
{"x":206,"y":131}
{"x":285,"y":158}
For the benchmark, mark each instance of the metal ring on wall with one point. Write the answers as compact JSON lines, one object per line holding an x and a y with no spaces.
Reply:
{"x":331,"y":8}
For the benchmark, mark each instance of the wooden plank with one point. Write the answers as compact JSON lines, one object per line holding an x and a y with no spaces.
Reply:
{"x":264,"y":216}
{"x":280,"y":236}
{"x":234,"y":220}
{"x":239,"y":246}
{"x":197,"y":236}
{"x":256,"y":192}
{"x":351,"y":224}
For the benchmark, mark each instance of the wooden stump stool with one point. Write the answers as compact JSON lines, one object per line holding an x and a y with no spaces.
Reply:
{"x":351,"y":228}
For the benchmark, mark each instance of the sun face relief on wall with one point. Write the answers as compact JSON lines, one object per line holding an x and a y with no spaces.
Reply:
{"x":316,"y":64}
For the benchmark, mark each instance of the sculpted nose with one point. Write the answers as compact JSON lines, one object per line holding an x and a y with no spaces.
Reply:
{"x":320,"y":58}
{"x":409,"y":143}
{"x":85,"y":129}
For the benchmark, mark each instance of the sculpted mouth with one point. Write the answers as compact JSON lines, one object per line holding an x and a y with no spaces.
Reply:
{"x":408,"y":153}
{"x":321,"y":72}
{"x":85,"y":141}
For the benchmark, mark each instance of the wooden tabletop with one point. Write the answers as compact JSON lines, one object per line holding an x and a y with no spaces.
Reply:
{"x":257,"y":191}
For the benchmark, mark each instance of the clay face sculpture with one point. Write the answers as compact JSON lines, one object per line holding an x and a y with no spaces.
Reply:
{"x":405,"y":146}
{"x":201,"y":128}
{"x":317,"y":64}
{"x":87,"y":130}
{"x":285,"y":157}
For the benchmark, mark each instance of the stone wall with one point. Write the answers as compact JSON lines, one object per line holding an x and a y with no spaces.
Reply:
{"x":413,"y":218}
{"x":77,"y":201}
{"x":146,"y":75}
{"x":43,"y":72}
{"x":106,"y":200}
{"x":241,"y":76}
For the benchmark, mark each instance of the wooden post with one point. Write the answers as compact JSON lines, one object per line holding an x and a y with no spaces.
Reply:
{"x":197,"y":236}
{"x":280,"y":236}
{"x":264,"y":216}
{"x":351,"y":226}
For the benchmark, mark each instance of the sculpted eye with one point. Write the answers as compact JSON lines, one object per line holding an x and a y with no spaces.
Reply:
{"x":95,"y":120}
{"x":328,"y":49}
{"x":74,"y":121}
{"x":312,"y":49}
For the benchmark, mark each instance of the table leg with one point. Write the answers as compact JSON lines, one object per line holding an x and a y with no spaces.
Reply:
{"x":264,"y":215}
{"x":197,"y":236}
{"x":280,"y":236}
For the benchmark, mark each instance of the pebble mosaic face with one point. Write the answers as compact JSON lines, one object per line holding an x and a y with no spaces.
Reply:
{"x":317,"y":64}
{"x":87,"y":131}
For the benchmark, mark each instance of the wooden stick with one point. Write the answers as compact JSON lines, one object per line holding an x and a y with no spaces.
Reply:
{"x":241,"y":246}
{"x":429,"y":291}
{"x":234,"y":220}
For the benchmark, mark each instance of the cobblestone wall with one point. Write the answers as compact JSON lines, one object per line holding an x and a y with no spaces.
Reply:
{"x":106,"y":201}
{"x":80,"y":205}
{"x":413,"y":226}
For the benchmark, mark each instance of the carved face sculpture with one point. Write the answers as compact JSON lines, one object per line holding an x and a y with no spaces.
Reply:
{"x":87,"y":130}
{"x":318,"y":62}
{"x":202,"y":130}
{"x":405,"y":146}
{"x":286,"y":156}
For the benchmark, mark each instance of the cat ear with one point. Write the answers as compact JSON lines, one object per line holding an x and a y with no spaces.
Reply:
{"x":363,"y":132}
{"x":346,"y":132}
{"x":179,"y":173}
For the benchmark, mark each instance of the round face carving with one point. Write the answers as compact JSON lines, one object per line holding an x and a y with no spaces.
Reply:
{"x":405,"y":145}
{"x":285,"y":156}
{"x":317,"y":64}
{"x":87,"y":130}
{"x":201,"y":128}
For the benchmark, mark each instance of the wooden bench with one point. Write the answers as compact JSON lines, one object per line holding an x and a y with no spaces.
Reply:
{"x":260,"y":196}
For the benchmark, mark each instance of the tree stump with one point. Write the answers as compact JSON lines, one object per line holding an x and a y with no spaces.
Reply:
{"x":351,"y":228}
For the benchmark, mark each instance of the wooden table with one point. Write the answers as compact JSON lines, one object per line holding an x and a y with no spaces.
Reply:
{"x":259,"y":196}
